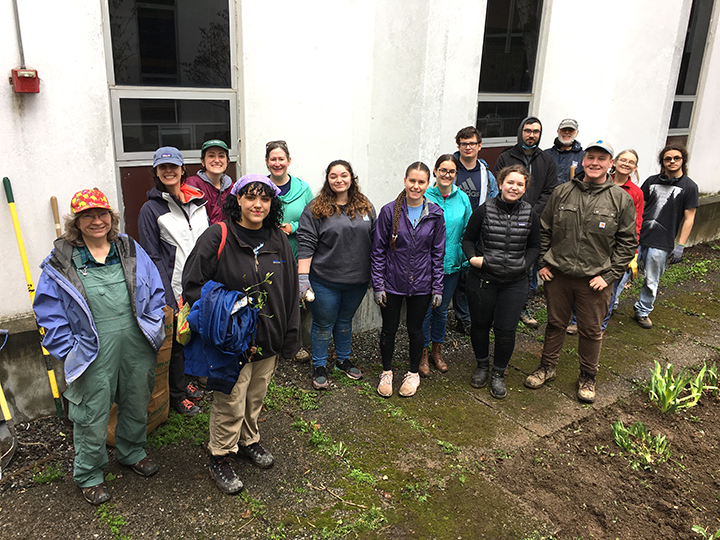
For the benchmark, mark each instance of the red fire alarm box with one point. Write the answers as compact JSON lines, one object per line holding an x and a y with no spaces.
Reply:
{"x":25,"y":81}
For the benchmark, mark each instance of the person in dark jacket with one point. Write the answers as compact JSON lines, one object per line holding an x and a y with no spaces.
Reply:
{"x":567,"y":151}
{"x":407,"y":264}
{"x":502,"y":240}
{"x":255,"y":258}
{"x":100,"y":299}
{"x":543,"y":180}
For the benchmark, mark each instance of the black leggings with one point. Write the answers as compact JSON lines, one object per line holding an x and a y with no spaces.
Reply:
{"x":498,"y":306}
{"x":417,"y":307}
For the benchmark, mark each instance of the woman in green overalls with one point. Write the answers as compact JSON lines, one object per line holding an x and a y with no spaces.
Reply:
{"x":100,"y":300}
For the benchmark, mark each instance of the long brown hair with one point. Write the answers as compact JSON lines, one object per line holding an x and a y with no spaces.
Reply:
{"x":74,"y":237}
{"x":325,"y":204}
{"x":397,"y":210}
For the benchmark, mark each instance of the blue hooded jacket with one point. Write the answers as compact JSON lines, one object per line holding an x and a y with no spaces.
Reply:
{"x":220,"y":336}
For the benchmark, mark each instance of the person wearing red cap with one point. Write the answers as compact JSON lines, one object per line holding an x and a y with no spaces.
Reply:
{"x":100,"y":299}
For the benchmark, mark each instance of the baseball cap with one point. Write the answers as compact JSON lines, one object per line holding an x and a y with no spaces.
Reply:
{"x":601,"y":144}
{"x":168,"y":154}
{"x":568,"y":123}
{"x":213,"y":142}
{"x":87,"y":199}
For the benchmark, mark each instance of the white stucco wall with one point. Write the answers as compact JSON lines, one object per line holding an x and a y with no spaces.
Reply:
{"x":55,"y":142}
{"x":703,"y":159}
{"x":615,"y":72}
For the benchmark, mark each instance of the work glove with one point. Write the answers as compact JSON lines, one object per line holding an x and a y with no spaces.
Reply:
{"x":676,"y":255}
{"x":381,"y":298}
{"x":633,"y":267}
{"x":306,"y":292}
{"x":436,"y":300}
{"x":641,"y":264}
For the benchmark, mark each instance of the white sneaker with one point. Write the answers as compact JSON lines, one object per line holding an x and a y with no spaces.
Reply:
{"x":410,"y":384}
{"x":385,"y":386}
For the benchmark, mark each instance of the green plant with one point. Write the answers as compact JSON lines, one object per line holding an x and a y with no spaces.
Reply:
{"x":322,"y":441}
{"x":178,"y":427}
{"x":51,"y":473}
{"x":115,"y":522}
{"x":277,"y":533}
{"x":278,"y":397}
{"x":449,"y":448}
{"x":712,"y":380}
{"x":358,"y":476}
{"x":370,"y":520}
{"x":665,"y":389}
{"x":416,"y":491}
{"x":706,"y":533}
{"x":255,"y":506}
{"x":637,"y":441}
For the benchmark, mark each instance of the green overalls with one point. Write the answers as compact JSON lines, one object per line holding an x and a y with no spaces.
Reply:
{"x":124,"y":371}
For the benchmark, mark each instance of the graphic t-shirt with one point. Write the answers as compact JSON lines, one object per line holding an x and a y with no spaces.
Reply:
{"x":666,"y":200}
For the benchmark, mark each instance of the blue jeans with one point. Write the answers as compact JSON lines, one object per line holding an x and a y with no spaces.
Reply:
{"x":656,"y":261}
{"x":436,"y":319}
{"x":332,"y":311}
{"x":618,"y":287}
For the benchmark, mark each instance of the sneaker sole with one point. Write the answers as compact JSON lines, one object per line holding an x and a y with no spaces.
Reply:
{"x":496,"y":396}
{"x":350,"y":375}
{"x":319,"y":386}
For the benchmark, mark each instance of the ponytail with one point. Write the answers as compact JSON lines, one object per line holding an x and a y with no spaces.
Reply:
{"x":397,"y":212}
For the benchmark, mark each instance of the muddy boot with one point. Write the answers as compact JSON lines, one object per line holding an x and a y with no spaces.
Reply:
{"x":480,"y":377}
{"x":424,"y":368}
{"x":437,"y":358}
{"x":497,"y":384}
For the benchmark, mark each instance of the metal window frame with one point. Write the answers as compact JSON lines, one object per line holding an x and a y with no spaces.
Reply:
{"x":125,"y":159}
{"x":494,"y":142}
{"x":678,"y":132}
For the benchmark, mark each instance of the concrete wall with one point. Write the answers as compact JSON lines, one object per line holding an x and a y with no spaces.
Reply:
{"x":55,"y":142}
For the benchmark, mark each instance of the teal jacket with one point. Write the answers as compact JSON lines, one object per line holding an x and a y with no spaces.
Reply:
{"x":457,"y":210}
{"x":294,"y":202}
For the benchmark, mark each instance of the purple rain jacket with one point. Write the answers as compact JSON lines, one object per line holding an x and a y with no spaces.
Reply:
{"x":415,"y":267}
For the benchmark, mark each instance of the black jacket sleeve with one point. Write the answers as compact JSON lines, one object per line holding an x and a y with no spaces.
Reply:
{"x":472,"y":242}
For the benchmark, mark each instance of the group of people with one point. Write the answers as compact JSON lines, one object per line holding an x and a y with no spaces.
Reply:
{"x":244,"y":255}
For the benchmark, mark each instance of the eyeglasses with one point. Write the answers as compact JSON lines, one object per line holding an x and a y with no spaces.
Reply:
{"x":446,"y":172}
{"x":627,"y":161}
{"x":531,"y":131}
{"x":468,"y":144}
{"x":275,"y":143}
{"x":668,"y":159}
{"x":90,"y":217}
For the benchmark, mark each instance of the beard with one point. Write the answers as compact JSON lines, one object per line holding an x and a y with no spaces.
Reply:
{"x":566,"y":141}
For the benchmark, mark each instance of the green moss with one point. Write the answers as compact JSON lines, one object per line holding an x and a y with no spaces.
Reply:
{"x":178,"y":427}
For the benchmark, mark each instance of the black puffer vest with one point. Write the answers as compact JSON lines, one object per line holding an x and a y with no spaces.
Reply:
{"x":505,"y":235}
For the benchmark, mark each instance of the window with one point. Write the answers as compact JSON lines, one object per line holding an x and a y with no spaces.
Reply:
{"x":690,"y":69}
{"x":507,"y":68}
{"x":171,"y":76}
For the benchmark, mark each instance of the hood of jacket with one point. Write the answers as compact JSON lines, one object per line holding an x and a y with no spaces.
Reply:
{"x":192,"y":194}
{"x":297,"y":188}
{"x":529,"y":120}
{"x":576,"y":146}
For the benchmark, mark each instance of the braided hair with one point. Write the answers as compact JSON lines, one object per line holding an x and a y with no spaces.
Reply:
{"x":397,"y":210}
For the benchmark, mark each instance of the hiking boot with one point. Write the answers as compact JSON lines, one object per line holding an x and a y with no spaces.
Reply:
{"x":302,"y":356}
{"x":424,"y":368}
{"x":643,"y":322}
{"x":528,"y":320}
{"x":572,"y":329}
{"x":193,"y":393}
{"x":222,"y":472}
{"x":497,"y":384}
{"x":349,"y":369}
{"x":385,"y":386}
{"x":586,"y":387}
{"x":145,"y":467}
{"x":460,"y":328}
{"x":96,"y":495}
{"x":320,"y":380}
{"x":543,"y":374}
{"x":437,"y":358}
{"x":258,"y":455}
{"x":480,"y":377}
{"x":410,"y":384}
{"x":186,"y":408}
{"x":202,"y":382}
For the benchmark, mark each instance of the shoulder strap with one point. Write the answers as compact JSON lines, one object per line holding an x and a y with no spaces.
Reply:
{"x":223,"y":238}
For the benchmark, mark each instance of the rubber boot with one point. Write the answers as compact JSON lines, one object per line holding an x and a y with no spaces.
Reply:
{"x":424,"y":368}
{"x":437,"y":358}
{"x":497,"y":384}
{"x":480,"y":377}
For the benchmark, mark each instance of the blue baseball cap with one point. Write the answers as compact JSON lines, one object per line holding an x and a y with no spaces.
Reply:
{"x":168,"y":154}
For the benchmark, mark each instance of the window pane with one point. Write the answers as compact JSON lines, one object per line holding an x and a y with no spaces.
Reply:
{"x":171,"y":42}
{"x":510,"y":46}
{"x":681,"y":115}
{"x":148,"y":124}
{"x":694,"y":47}
{"x":501,"y":119}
